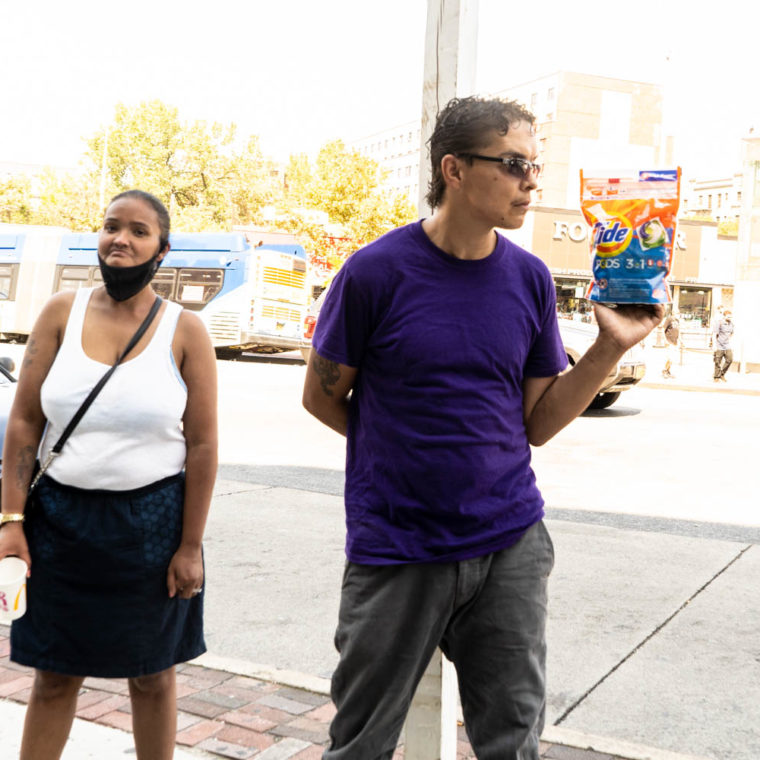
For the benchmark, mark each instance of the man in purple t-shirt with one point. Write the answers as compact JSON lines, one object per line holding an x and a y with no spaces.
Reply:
{"x":437,"y":353}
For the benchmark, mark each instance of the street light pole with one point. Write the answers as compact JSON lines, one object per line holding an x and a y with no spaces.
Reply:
{"x":103,"y":172}
{"x":450,"y":58}
{"x":450,"y":52}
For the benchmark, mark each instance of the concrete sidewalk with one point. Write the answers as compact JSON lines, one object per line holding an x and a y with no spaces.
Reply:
{"x":652,"y":623}
{"x":241,"y":710}
{"x":693,"y":371}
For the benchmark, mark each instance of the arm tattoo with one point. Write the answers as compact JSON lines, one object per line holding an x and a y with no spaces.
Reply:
{"x":328,"y":373}
{"x":31,"y":350}
{"x":25,"y":466}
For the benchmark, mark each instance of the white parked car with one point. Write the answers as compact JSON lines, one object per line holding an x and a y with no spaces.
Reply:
{"x":577,"y":337}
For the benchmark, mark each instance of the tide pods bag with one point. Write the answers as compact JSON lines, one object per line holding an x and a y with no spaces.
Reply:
{"x":633,"y":226}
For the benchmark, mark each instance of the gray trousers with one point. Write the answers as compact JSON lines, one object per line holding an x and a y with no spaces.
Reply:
{"x":487,"y":614}
{"x":722,"y":358}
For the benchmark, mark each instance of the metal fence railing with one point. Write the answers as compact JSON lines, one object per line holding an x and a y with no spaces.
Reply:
{"x":696,"y":339}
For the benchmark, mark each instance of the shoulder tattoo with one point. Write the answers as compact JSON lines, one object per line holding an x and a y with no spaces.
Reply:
{"x":328,"y":373}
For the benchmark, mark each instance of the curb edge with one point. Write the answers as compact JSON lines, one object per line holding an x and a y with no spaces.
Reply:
{"x":629,"y":750}
{"x":292,"y":678}
{"x":551,"y":734}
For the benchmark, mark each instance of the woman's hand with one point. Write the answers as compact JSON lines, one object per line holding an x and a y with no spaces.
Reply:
{"x":13,"y":543}
{"x":185,"y":575}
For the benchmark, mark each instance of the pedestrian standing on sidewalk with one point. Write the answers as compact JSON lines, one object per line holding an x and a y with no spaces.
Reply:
{"x":437,"y":353}
{"x":113,"y":531}
{"x":723,"y":355}
{"x":672,"y":334}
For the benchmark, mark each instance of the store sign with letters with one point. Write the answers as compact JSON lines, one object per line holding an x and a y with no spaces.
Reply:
{"x":578,"y":233}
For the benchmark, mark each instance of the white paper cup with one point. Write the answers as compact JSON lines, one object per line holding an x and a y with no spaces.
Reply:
{"x":12,"y":589}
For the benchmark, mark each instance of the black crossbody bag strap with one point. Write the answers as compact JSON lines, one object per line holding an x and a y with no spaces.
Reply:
{"x":56,"y":450}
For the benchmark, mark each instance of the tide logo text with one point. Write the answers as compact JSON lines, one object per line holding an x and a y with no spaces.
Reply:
{"x":611,"y":237}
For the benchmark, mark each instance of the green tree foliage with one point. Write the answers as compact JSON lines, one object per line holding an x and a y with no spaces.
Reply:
{"x":211,"y":181}
{"x":347,"y":187}
{"x":700,"y":216}
{"x":58,"y":200}
{"x":257,"y":184}
{"x":67,"y":200}
{"x":298,"y":181}
{"x":725,"y":226}
{"x":16,"y":201}
{"x":197,"y":169}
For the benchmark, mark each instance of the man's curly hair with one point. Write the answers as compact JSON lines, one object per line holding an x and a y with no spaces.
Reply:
{"x":465,"y":125}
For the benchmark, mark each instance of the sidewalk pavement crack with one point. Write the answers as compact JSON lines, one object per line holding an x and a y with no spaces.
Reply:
{"x":662,"y":625}
{"x":258,"y":488}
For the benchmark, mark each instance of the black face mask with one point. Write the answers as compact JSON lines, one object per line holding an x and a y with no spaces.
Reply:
{"x":124,"y":282}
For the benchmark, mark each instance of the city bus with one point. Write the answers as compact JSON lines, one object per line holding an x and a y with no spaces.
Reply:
{"x":250,"y":297}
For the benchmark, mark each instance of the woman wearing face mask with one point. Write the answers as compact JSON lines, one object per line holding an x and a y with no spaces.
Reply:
{"x":113,"y":531}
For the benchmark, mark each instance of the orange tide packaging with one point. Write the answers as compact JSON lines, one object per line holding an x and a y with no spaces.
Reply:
{"x":633,"y":227}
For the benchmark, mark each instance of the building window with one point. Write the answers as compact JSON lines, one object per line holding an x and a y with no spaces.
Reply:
{"x":197,"y":287}
{"x":550,"y":94}
{"x":8,"y":276}
{"x":533,"y":99}
{"x":695,"y":307}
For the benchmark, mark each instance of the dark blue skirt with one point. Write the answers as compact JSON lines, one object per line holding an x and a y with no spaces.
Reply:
{"x":97,"y":600}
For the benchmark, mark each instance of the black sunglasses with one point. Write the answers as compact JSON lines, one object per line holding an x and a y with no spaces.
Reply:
{"x":515,"y":166}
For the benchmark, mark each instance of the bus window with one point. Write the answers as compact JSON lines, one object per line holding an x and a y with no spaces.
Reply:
{"x":164,"y":281}
{"x":8,"y":282}
{"x":197,"y":287}
{"x":71,"y":278}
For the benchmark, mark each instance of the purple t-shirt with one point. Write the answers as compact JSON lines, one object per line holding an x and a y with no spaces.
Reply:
{"x":438,"y":461}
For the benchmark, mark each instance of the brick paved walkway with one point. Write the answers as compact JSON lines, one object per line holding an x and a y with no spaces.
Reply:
{"x":230,"y":716}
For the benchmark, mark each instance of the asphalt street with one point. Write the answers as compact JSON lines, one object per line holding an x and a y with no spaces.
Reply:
{"x":660,"y":454}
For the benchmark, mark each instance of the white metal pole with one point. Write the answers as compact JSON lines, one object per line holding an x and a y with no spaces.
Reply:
{"x":450,"y":58}
{"x":450,"y":53}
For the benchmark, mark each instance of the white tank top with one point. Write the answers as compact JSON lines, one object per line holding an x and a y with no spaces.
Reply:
{"x":131,"y":435}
